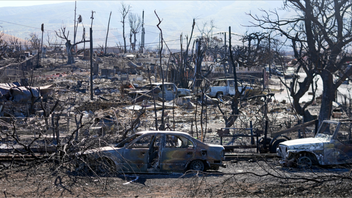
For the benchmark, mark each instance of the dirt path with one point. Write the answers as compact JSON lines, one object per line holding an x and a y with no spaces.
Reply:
{"x":241,"y":178}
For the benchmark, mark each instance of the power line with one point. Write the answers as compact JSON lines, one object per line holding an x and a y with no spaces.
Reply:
{"x":38,"y":28}
{"x":20,"y":24}
{"x":98,"y":39}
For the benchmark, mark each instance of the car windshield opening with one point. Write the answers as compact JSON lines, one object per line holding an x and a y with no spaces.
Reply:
{"x":127,"y":140}
{"x":326,"y":130}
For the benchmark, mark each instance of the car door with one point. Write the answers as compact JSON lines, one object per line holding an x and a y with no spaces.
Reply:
{"x":177,"y":152}
{"x":343,"y":147}
{"x":170,"y":91}
{"x":154,"y":153}
{"x":231,"y":87}
{"x":136,"y":154}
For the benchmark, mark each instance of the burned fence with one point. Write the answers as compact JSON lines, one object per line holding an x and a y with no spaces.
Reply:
{"x":18,"y":71}
{"x":42,"y":136}
{"x":254,"y":140}
{"x":244,"y":138}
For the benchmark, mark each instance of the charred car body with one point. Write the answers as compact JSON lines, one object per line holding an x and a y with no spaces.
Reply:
{"x":155,"y":151}
{"x":171,"y":91}
{"x":331,"y":145}
{"x":225,"y":87}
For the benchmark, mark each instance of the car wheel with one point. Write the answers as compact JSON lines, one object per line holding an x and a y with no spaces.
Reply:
{"x":274,"y":146}
{"x":305,"y":161}
{"x":197,"y":165}
{"x":219,"y":95}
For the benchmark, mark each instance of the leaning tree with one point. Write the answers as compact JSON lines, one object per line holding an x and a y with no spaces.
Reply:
{"x":321,"y":34}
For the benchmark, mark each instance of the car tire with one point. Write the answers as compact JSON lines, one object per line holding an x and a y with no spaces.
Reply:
{"x":274,"y":146}
{"x":305,"y":160}
{"x":219,"y":95}
{"x":197,"y":165}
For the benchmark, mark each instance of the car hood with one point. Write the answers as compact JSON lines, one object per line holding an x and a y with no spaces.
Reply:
{"x":215,"y":146}
{"x":106,"y":149}
{"x":305,"y":143}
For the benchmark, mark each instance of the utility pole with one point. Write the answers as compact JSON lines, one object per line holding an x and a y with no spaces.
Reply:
{"x":142,"y":34}
{"x":91,"y":57}
{"x":223,"y":56}
{"x":41,"y":46}
{"x":234,"y":67}
{"x":182,"y":70}
{"x":84,"y":38}
{"x":225,"y":40}
{"x":185,"y":58}
{"x":269,"y":56}
{"x":107,"y":33}
{"x":74,"y":26}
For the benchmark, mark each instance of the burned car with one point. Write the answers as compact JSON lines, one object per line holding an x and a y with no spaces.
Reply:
{"x":155,"y":151}
{"x":171,"y":91}
{"x":331,"y":145}
{"x":224,"y":87}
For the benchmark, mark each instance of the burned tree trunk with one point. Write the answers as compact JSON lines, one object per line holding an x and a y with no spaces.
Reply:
{"x":155,"y":112}
{"x":162,"y":126}
{"x":184,"y":82}
{"x":198,"y":63}
{"x":135,"y":124}
{"x":324,"y":39}
{"x":107,"y":33}
{"x":124,"y":11}
{"x":63,"y":35}
{"x":303,"y":86}
{"x":328,"y":96}
{"x":235,"y":99}
{"x":70,"y":58}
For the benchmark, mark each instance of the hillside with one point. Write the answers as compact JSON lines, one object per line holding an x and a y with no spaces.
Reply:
{"x":9,"y":38}
{"x":176,"y":18}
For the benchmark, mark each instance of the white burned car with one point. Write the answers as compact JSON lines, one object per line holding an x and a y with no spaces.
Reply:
{"x":331,"y":145}
{"x":224,"y":87}
{"x":153,"y":152}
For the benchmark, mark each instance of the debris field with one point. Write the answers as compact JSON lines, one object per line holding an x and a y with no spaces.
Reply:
{"x":48,"y":113}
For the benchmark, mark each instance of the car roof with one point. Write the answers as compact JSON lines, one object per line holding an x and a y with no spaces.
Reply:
{"x":159,"y":83}
{"x":339,"y":120}
{"x":224,"y":79}
{"x":166,"y":132}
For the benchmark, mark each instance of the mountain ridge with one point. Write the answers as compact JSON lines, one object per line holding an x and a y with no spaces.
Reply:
{"x":177,"y":17}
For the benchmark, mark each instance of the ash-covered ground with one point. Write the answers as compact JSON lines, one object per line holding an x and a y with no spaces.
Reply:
{"x":67,"y":120}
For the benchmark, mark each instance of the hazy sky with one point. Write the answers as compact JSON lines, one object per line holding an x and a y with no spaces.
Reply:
{"x":16,"y":3}
{"x":176,"y":15}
